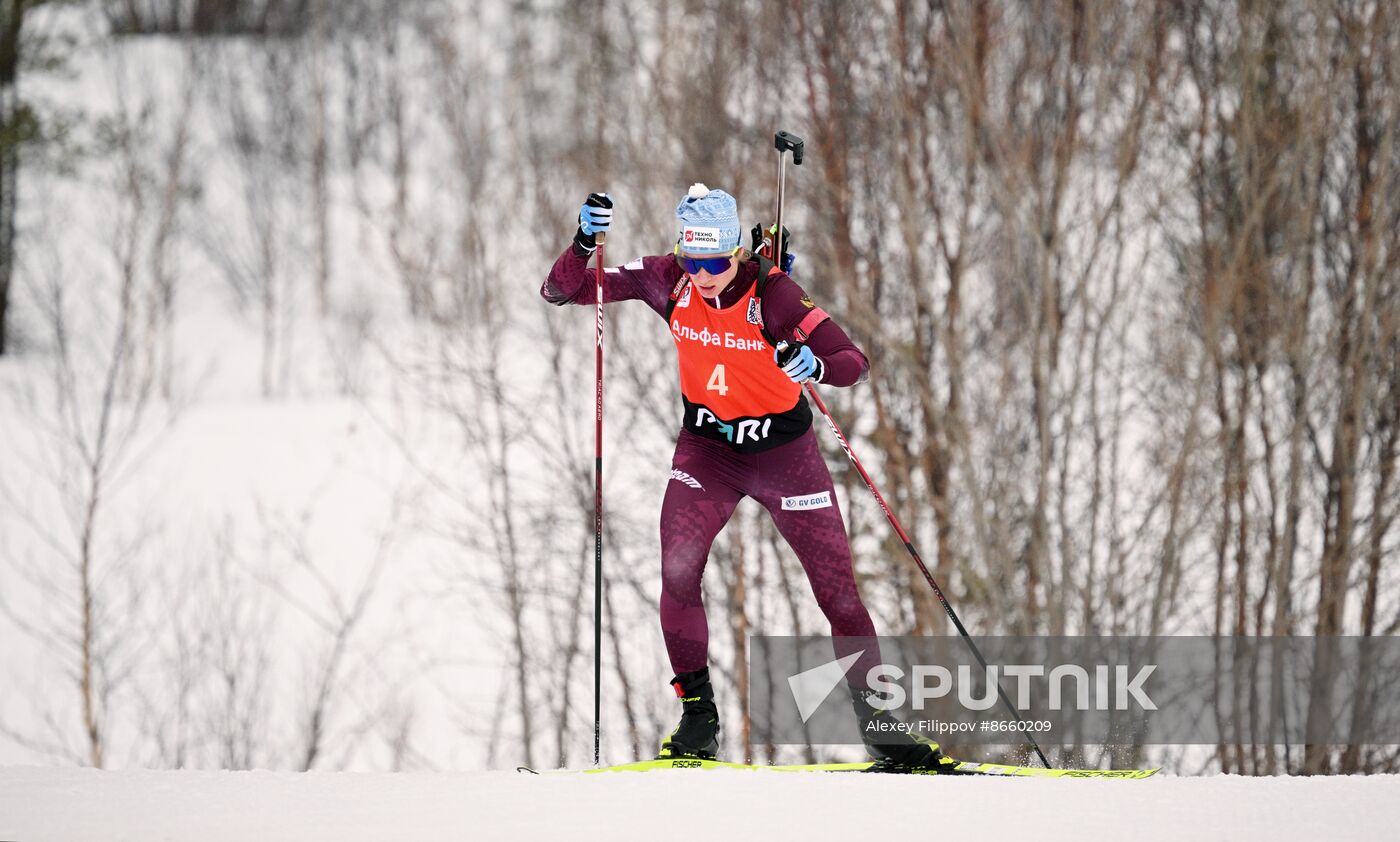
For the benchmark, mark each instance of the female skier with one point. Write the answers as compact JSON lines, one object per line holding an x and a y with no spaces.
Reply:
{"x":747,"y":337}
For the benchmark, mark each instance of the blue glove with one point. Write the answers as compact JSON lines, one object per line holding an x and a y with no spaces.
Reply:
{"x":593,"y":218}
{"x":799,"y":363}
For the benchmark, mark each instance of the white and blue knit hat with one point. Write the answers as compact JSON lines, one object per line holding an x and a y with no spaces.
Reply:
{"x":709,"y":221}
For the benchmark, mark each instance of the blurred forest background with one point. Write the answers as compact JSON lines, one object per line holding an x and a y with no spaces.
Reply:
{"x":297,"y":465}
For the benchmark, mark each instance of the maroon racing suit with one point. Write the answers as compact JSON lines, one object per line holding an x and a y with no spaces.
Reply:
{"x":712,"y":469}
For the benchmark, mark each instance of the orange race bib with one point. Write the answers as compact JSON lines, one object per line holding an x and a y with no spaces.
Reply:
{"x":731,"y":388}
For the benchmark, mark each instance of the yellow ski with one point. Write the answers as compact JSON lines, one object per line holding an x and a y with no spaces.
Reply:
{"x":964,"y":767}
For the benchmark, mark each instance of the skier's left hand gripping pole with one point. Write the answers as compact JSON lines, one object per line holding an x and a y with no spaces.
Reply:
{"x":598,"y":509}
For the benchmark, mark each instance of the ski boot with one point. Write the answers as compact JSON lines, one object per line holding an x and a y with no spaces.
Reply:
{"x":894,"y":747}
{"x":697,"y":735}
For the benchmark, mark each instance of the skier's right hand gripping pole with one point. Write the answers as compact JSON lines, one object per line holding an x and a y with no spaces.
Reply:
{"x":594,"y":219}
{"x":786,"y":142}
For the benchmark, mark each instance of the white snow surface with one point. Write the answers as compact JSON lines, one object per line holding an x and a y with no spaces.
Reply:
{"x":94,"y":806}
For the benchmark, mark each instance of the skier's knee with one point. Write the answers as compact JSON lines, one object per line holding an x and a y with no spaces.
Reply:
{"x":680,"y":584}
{"x":847,"y":615}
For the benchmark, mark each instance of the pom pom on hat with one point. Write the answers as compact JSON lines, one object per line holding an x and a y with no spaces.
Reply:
{"x":709,"y":221}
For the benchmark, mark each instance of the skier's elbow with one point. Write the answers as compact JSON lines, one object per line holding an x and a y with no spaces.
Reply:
{"x":552,"y":294}
{"x":864,"y":373}
{"x":845,"y":368}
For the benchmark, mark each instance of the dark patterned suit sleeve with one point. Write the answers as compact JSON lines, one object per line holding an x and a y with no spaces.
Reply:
{"x":648,"y":279}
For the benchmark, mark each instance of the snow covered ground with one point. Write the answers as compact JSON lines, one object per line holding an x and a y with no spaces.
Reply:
{"x":93,"y":806}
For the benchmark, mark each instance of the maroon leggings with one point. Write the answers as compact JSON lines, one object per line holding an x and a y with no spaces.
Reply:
{"x":792,"y":482}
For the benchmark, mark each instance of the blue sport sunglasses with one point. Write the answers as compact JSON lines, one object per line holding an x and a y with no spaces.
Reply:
{"x":711,"y":265}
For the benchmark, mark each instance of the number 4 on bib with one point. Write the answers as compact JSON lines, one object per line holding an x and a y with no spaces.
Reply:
{"x":717,"y":383}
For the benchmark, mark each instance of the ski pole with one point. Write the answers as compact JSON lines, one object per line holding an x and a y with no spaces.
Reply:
{"x":788,"y":142}
{"x":598,"y":512}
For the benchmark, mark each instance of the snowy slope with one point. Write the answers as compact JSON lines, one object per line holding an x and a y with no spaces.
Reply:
{"x":82,"y":804}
